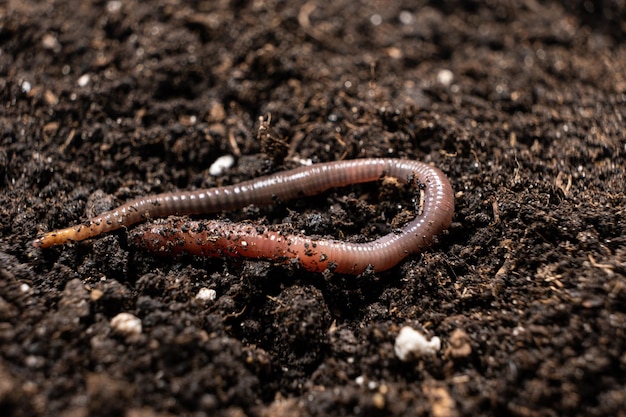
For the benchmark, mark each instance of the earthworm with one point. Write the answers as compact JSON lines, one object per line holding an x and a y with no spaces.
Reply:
{"x":219,"y":238}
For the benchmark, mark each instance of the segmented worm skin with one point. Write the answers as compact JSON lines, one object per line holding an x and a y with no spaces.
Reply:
{"x":218,"y":238}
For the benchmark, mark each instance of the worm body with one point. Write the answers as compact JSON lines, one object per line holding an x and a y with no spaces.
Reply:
{"x":218,"y":238}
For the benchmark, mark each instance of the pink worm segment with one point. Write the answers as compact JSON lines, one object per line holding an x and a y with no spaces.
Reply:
{"x":217,"y":238}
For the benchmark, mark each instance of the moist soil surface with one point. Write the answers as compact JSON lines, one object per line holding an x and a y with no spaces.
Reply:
{"x":521,"y":104}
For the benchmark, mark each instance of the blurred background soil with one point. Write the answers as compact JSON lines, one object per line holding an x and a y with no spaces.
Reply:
{"x":520,"y":103}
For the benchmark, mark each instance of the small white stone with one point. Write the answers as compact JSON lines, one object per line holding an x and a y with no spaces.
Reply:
{"x":24,"y":287}
{"x":445,"y":77}
{"x":206,"y":294}
{"x":126,"y":323}
{"x":83,"y":80}
{"x":26,"y":86}
{"x":406,"y":18}
{"x":114,"y":6}
{"x":33,"y":361}
{"x":49,"y":41}
{"x":221,"y":164}
{"x":411,"y":344}
{"x":376,"y":19}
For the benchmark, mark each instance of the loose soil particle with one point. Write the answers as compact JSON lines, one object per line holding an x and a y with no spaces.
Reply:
{"x":522,"y":104}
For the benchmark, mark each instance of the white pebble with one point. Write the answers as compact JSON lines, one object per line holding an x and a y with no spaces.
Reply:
{"x":206,"y":294}
{"x":221,"y":164}
{"x":406,"y":18}
{"x":411,"y":344}
{"x":83,"y":80}
{"x":49,"y":41}
{"x":126,"y":323}
{"x":376,"y":19}
{"x":445,"y":77}
{"x":114,"y":6}
{"x":26,"y":87}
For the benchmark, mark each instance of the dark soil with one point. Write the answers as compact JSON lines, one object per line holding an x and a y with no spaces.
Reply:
{"x":521,"y":103}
